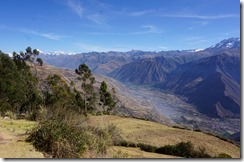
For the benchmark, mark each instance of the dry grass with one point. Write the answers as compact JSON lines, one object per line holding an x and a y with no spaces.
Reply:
{"x":140,"y":131}
{"x":12,"y":139}
{"x":16,"y":126}
{"x":128,"y":152}
{"x":21,"y":149}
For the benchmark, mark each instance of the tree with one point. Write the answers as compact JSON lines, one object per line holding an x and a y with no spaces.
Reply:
{"x":87,"y":86}
{"x":18,"y":91}
{"x":58,"y":93}
{"x":39,"y":60}
{"x":106,"y":97}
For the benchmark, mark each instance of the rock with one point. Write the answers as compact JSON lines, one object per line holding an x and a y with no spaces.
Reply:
{"x":6,"y":118}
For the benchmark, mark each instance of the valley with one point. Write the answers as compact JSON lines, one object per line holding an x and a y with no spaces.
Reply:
{"x":184,"y":114}
{"x":103,"y":79}
{"x":196,"y":89}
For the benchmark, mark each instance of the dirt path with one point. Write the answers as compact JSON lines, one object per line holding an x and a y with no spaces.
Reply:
{"x":12,"y":140}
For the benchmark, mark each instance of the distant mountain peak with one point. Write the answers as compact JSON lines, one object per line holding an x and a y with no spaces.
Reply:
{"x":135,"y":51}
{"x":57,"y":53}
{"x":227,"y":43}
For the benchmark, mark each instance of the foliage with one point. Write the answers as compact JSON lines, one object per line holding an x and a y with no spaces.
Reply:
{"x":182,"y":149}
{"x":39,"y":60}
{"x":10,"y":114}
{"x":18,"y":91}
{"x":106,"y":97}
{"x":146,"y":147}
{"x":59,"y":95}
{"x":66,"y":135}
{"x":88,"y":81}
{"x":223,"y":155}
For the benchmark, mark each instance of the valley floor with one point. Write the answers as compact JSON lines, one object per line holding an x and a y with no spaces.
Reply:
{"x":182,"y":113}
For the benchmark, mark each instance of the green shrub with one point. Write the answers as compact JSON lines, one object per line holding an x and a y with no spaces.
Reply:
{"x":66,"y":135}
{"x":146,"y":147}
{"x":184,"y":149}
{"x":59,"y":139}
{"x":223,"y":155}
{"x":126,"y":144}
{"x":168,"y":149}
{"x":10,"y":114}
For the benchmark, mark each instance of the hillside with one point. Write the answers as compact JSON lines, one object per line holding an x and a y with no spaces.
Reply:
{"x":212,"y":84}
{"x":104,"y":63}
{"x":99,"y":63}
{"x":127,"y":104}
{"x":134,"y":130}
{"x":140,"y":131}
{"x":145,"y":71}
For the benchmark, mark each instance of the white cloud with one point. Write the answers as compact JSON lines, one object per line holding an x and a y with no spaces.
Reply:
{"x":139,"y":13}
{"x":97,"y":18}
{"x":202,"y":23}
{"x":198,"y":24}
{"x":76,"y":7}
{"x":149,"y":29}
{"x":204,"y":17}
{"x":51,"y":36}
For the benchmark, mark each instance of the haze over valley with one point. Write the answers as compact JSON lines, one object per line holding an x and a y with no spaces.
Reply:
{"x":195,"y":89}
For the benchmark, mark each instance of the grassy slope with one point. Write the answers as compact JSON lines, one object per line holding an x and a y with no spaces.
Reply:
{"x":140,"y":131}
{"x":13,"y":145}
{"x":12,"y":140}
{"x":129,"y":152}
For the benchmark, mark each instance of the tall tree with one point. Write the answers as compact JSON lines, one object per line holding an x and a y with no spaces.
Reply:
{"x":39,"y":60}
{"x":17,"y":85}
{"x":106,"y":97}
{"x":87,"y":86}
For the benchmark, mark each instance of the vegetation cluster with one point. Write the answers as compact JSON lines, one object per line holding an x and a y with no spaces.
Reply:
{"x":57,"y":105}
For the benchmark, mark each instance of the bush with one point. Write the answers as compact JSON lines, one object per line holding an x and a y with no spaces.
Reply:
{"x":223,"y":155}
{"x":146,"y":147}
{"x":168,"y":149}
{"x":66,"y":135}
{"x":126,"y":144}
{"x":201,"y":153}
{"x":10,"y":114}
{"x":183,"y":149}
{"x":59,"y":139}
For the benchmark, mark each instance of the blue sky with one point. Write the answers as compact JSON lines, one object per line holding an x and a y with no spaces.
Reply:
{"x":116,"y":25}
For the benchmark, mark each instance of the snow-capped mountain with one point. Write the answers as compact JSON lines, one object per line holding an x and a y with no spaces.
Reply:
{"x":57,"y":53}
{"x":227,"y":43}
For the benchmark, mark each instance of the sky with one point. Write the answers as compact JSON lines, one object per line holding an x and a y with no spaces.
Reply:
{"x":75,"y":26}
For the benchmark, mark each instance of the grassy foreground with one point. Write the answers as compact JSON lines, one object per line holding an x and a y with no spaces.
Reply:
{"x":12,"y":139}
{"x":13,"y":135}
{"x":141,"y":131}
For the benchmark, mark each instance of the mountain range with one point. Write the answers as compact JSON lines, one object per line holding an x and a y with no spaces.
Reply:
{"x":209,"y":79}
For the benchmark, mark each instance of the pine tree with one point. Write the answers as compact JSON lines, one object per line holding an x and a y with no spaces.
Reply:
{"x":87,"y":86}
{"x":106,"y":97}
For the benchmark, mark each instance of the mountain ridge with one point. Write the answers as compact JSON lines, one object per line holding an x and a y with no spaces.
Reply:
{"x":156,"y":69}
